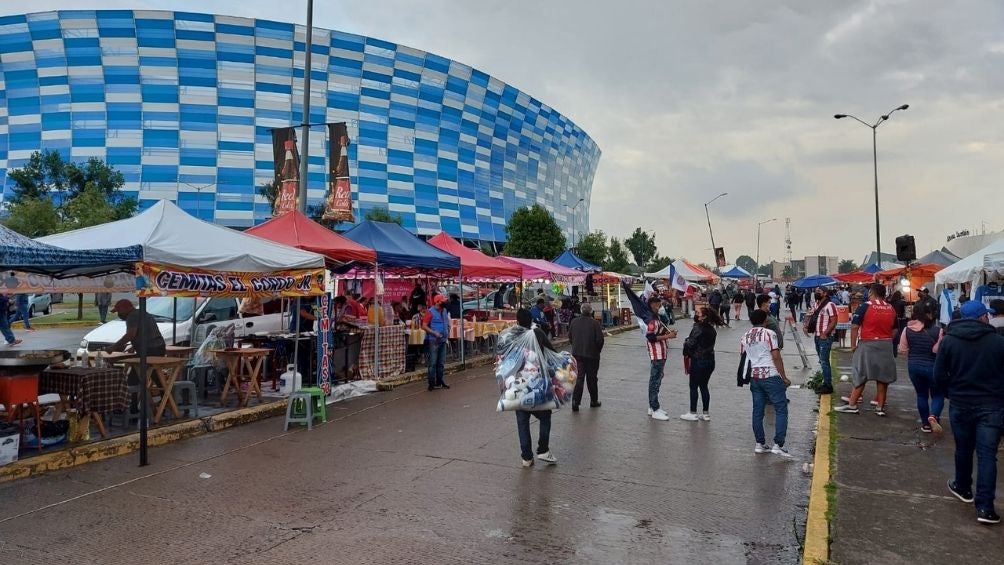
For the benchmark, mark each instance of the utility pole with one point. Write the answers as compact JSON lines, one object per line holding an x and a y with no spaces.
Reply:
{"x":305,"y":135}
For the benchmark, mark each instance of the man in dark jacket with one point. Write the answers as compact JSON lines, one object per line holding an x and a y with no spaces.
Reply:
{"x":586,"y":336}
{"x":970,"y":368}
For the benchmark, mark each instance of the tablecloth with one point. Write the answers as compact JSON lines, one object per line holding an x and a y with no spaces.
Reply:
{"x":392,"y":352}
{"x":96,"y":390}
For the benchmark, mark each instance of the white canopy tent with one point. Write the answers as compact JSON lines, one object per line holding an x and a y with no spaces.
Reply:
{"x":974,"y":268}
{"x":171,"y":236}
{"x":682,"y":269}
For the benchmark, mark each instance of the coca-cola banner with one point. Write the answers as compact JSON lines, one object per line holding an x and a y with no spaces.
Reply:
{"x":338,"y":202}
{"x":287,"y":170}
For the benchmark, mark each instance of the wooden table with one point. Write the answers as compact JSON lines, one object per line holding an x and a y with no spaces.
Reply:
{"x":96,"y":391}
{"x":168,"y":369}
{"x":245,"y":362}
{"x":179,"y":351}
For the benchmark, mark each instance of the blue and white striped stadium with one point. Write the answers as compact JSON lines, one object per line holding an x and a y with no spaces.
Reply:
{"x":183,"y":104}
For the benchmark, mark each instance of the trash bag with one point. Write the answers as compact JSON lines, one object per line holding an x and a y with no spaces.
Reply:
{"x":220,"y":337}
{"x":529,"y":376}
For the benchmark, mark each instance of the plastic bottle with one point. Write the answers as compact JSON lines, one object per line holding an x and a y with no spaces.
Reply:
{"x":290,"y":381}
{"x":99,"y":361}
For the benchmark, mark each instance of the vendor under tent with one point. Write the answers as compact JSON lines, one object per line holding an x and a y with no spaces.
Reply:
{"x":734,"y":272}
{"x":813,"y":281}
{"x":184,"y":256}
{"x":920,"y":274}
{"x":973,"y":269}
{"x":572,"y":261}
{"x":297,"y":230}
{"x":477,"y":267}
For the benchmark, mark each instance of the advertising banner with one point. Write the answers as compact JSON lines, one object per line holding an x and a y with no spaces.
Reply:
{"x":30,"y":283}
{"x":168,"y":280}
{"x":338,"y":203}
{"x":325,"y":351}
{"x":287,"y":170}
{"x":720,"y":257}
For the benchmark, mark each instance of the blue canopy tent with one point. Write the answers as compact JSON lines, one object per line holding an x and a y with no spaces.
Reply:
{"x":735,"y":272}
{"x":813,"y":281}
{"x":400,"y":252}
{"x":20,"y":253}
{"x":871,"y":268}
{"x":572,"y":261}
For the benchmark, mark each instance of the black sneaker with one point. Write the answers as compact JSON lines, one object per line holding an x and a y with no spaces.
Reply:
{"x":431,"y":387}
{"x":575,"y":408}
{"x":825,"y":389}
{"x":595,"y":404}
{"x":966,"y":496}
{"x":987,"y":517}
{"x":445,"y":386}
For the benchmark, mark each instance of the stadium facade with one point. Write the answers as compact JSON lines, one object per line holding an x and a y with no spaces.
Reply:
{"x":184,"y":104}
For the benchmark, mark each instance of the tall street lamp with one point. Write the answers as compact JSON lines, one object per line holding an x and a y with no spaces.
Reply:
{"x":581,"y":200}
{"x":708,"y":216}
{"x":874,"y":128}
{"x":756,"y":273}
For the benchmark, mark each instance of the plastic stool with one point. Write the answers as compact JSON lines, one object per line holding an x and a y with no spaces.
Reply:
{"x":178,"y":391}
{"x":304,"y":405}
{"x":131,"y":412}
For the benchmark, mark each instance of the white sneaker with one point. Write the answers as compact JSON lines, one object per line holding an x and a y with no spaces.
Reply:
{"x":650,"y":411}
{"x":690,"y":417}
{"x":706,"y":416}
{"x":779,"y":450}
{"x":761,"y":448}
{"x":659,"y":414}
{"x":547,"y":458}
{"x":527,"y":464}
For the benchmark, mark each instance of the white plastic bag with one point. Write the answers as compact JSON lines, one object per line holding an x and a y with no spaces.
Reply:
{"x":529,"y":376}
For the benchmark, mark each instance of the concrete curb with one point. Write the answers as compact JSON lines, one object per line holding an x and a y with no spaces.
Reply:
{"x":817,"y":526}
{"x":38,"y":326}
{"x":114,"y":447}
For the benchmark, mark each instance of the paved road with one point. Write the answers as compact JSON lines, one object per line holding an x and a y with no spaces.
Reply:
{"x":413,"y":476}
{"x":53,"y":338}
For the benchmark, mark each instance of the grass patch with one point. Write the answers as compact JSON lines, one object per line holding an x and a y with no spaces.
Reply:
{"x":62,"y":316}
{"x":831,"y":487}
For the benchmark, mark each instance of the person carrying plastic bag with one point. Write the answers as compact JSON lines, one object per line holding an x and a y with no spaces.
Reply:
{"x":533,"y":380}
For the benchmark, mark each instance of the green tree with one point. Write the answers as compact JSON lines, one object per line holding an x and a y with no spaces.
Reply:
{"x":617,"y":260}
{"x":33,"y":216}
{"x":270,"y":192}
{"x":488,"y":250}
{"x":381,"y":214}
{"x":593,"y":248}
{"x":92,"y":207}
{"x":746,"y":262}
{"x":642,"y":246}
{"x":657,"y":263}
{"x":847,"y":266}
{"x":534,"y":234}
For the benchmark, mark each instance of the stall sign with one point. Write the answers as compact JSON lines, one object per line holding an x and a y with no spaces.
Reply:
{"x":169,"y":280}
{"x":325,"y":353}
{"x":15,"y":282}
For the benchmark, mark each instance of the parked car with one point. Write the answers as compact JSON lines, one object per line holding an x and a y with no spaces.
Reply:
{"x":36,"y":303}
{"x":57,"y":297}
{"x":196,"y":317}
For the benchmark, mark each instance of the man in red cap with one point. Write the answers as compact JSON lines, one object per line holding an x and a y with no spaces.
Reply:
{"x":436,"y":324}
{"x":153,"y":342}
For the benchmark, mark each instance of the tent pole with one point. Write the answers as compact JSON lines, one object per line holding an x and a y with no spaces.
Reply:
{"x":144,"y":407}
{"x":378,"y":312}
{"x":296,"y":345}
{"x":174,"y":325}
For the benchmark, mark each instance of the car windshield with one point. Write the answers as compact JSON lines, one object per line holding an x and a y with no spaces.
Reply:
{"x":162,"y":308}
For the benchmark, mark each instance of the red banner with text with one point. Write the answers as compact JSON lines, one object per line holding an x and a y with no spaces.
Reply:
{"x":338,"y":203}
{"x":168,"y":280}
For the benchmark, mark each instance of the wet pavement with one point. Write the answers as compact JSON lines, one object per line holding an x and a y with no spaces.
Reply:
{"x":893,"y":505}
{"x":412,"y":476}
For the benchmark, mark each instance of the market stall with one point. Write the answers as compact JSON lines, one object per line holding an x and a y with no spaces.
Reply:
{"x":908,"y":280}
{"x":978,"y":270}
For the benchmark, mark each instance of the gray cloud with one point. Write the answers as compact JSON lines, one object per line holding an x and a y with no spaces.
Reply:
{"x":690,"y":98}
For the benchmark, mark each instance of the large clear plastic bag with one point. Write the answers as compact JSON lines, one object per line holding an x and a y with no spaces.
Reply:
{"x":529,"y":376}
{"x":220,"y":337}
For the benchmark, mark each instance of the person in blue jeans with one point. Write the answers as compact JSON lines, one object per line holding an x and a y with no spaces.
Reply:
{"x":919,"y":341}
{"x":22,"y":304}
{"x":699,"y":347}
{"x":825,"y":316}
{"x":436,"y":324}
{"x":524,"y":319}
{"x":970,"y":367}
{"x":761,"y":358}
{"x":5,"y":321}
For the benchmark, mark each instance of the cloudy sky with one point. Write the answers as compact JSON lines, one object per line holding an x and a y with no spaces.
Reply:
{"x":692,"y":98}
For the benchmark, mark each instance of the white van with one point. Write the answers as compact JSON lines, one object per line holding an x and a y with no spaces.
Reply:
{"x":200,"y":314}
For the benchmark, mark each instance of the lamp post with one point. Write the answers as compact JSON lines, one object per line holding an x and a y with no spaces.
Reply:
{"x":874,"y":128}
{"x":305,"y":146}
{"x":712,"y":233}
{"x":757,"y":272}
{"x":581,"y":200}
{"x":198,"y":199}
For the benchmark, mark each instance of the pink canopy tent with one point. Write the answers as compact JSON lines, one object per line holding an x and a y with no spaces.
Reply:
{"x":534,"y":269}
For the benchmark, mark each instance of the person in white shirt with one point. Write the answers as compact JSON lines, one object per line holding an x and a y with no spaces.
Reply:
{"x":761,"y":360}
{"x":845,"y":297}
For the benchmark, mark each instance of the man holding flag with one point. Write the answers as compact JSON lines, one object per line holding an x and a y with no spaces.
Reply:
{"x":656,"y":334}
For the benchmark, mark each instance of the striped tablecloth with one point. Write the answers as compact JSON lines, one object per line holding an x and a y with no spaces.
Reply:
{"x":392,"y":352}
{"x":96,"y":390}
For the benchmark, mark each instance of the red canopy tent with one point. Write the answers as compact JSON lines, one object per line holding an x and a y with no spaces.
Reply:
{"x":855,"y":277}
{"x":297,"y":230}
{"x":475,"y":265}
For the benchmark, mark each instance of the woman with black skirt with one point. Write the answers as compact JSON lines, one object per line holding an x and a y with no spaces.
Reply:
{"x":699,"y":347}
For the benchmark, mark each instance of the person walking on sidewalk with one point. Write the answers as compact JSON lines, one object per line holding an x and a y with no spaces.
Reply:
{"x":761,"y":359}
{"x":5,"y":321}
{"x":750,"y":299}
{"x":822,"y":321}
{"x":737,"y":303}
{"x":103,"y":300}
{"x":872,"y":328}
{"x":699,"y":347}
{"x":919,"y":342}
{"x":22,"y":311}
{"x":656,"y":336}
{"x":970,"y":368}
{"x":586,"y":336}
{"x":763,"y":304}
{"x":436,"y":323}
{"x":524,"y":319}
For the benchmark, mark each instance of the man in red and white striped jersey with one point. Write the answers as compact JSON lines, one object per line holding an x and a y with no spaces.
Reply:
{"x":656,"y":336}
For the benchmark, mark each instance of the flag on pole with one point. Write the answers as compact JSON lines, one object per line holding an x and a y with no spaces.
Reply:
{"x":676,"y":280}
